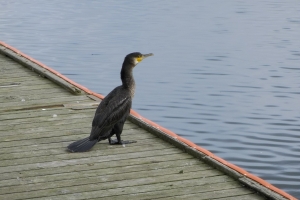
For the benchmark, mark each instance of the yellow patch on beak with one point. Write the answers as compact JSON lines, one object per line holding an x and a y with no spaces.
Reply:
{"x":139,"y":59}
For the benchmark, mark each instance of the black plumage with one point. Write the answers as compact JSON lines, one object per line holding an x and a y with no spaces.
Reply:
{"x":113,"y":110}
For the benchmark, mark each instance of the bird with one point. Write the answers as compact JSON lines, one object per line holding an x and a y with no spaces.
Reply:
{"x":113,"y":110}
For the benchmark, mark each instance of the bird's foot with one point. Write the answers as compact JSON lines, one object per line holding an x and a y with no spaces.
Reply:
{"x":116,"y":142}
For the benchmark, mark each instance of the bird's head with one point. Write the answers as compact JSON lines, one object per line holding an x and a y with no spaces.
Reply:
{"x":136,"y":57}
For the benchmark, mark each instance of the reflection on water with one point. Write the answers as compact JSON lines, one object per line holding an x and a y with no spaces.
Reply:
{"x":225,"y":75}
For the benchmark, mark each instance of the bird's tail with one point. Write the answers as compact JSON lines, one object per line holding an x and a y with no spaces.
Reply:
{"x":82,"y":145}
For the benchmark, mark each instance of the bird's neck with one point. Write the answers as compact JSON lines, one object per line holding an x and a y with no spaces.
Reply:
{"x":127,"y":79}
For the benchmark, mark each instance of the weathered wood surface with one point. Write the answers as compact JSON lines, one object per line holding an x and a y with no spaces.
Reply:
{"x":38,"y":119}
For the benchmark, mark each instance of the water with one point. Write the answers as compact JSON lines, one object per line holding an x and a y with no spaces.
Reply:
{"x":225,"y":75}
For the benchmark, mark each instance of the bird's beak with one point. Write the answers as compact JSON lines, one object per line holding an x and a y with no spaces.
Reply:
{"x":147,"y":55}
{"x":143,"y":57}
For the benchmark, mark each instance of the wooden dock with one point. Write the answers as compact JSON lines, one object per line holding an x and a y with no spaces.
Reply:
{"x":39,"y":118}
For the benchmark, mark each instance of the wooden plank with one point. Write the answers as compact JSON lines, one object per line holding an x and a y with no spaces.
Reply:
{"x":75,"y":159}
{"x":45,"y":127}
{"x":75,"y":126}
{"x":64,"y":115}
{"x":7,"y":64}
{"x":201,"y":193}
{"x":17,"y":98}
{"x":21,"y":114}
{"x":23,"y":80}
{"x":52,"y":126}
{"x":9,"y":84}
{"x":28,"y":88}
{"x":31,"y":83}
{"x":52,"y":91}
{"x":17,"y":114}
{"x":141,"y":191}
{"x":252,"y":196}
{"x":26,"y":97}
{"x":128,"y":165}
{"x":78,"y":109}
{"x":60,"y":147}
{"x":40,"y":103}
{"x":41,"y":70}
{"x":92,"y":176}
{"x":74,"y":133}
{"x":90,"y":184}
{"x":42,"y":181}
{"x":25,"y":74}
{"x":134,"y":133}
{"x":171,"y":190}
{"x":117,"y":152}
{"x":12,"y":70}
{"x":57,"y":125}
{"x":53,"y":149}
{"x":60,"y":155}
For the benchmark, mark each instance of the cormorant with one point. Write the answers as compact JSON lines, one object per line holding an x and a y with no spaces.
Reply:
{"x":113,"y":110}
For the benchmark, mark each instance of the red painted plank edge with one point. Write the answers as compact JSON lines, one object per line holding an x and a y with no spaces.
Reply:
{"x":172,"y":134}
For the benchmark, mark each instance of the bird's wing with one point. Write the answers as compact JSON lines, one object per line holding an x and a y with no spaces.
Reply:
{"x":116,"y":108}
{"x":107,"y":100}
